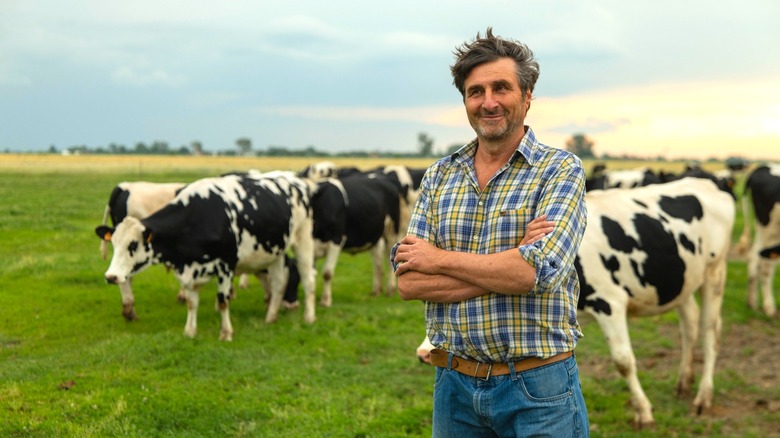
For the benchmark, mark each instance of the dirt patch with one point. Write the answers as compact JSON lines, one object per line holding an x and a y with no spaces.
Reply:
{"x":749,"y":355}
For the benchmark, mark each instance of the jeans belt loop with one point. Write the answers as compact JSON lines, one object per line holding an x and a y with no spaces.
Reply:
{"x":487,"y":376}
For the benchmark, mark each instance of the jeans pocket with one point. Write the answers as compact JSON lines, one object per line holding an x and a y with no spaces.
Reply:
{"x":546,"y":384}
{"x":439,"y":375}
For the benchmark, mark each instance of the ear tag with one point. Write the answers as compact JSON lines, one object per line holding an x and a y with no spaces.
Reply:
{"x":149,"y":238}
{"x":107,"y":236}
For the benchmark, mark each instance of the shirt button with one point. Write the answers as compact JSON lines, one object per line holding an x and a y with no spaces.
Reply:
{"x":481,"y":203}
{"x":475,"y":237}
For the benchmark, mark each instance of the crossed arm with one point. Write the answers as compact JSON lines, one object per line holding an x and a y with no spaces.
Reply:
{"x":428,"y":273}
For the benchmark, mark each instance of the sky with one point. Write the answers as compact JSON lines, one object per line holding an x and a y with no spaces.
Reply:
{"x":673,"y":79}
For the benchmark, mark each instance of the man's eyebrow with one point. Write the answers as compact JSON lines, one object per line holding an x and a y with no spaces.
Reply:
{"x":475,"y":87}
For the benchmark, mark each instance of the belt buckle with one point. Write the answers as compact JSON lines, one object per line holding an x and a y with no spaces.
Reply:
{"x":487,"y":377}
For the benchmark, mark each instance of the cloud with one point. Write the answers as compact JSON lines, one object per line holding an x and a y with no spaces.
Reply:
{"x":674,"y":119}
{"x":150,"y":77}
{"x":435,"y":115}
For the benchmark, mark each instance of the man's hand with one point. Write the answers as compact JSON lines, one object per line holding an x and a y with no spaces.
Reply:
{"x":415,"y":254}
{"x":537,"y":229}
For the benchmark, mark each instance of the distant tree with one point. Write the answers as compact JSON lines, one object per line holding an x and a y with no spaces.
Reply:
{"x":53,"y":149}
{"x":424,"y":144}
{"x":453,"y":148}
{"x":196,"y":147}
{"x":580,"y":145}
{"x":140,"y":148}
{"x":244,"y":145}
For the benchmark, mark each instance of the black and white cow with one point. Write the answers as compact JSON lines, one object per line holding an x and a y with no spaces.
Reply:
{"x":373,"y":223}
{"x":602,"y":179}
{"x":369,"y":218}
{"x":763,"y":188}
{"x":216,"y":227}
{"x":330,"y":209}
{"x":645,"y":252}
{"x":138,"y":199}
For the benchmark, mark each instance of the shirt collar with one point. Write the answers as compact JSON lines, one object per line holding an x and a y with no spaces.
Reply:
{"x":526,"y":148}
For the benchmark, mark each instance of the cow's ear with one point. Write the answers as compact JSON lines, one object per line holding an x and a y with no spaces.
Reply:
{"x":104,"y":232}
{"x":148,"y":235}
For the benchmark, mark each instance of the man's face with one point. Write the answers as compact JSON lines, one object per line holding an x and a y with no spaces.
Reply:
{"x":495,"y":104}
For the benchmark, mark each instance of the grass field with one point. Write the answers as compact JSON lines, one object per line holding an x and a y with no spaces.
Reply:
{"x":71,"y":366}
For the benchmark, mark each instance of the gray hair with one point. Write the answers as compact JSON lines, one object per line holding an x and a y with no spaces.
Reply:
{"x":489,"y":49}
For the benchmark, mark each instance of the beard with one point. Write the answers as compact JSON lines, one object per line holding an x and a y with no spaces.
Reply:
{"x":493,"y":130}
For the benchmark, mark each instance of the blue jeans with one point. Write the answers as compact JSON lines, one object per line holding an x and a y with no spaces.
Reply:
{"x":544,"y":401}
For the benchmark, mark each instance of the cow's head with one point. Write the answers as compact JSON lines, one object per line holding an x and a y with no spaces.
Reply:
{"x":132,"y":249}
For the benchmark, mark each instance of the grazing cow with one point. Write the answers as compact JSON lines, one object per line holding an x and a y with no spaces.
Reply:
{"x":215,"y":227}
{"x":723,"y":178}
{"x":763,"y":186}
{"x":646,"y":251}
{"x":326,"y":169}
{"x":610,"y":179}
{"x":368,"y":218}
{"x":137,"y":199}
{"x":372,"y":223}
{"x":407,"y":180}
{"x":330,"y":210}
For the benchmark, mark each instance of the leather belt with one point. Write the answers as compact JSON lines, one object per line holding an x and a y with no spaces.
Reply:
{"x":485,"y":370}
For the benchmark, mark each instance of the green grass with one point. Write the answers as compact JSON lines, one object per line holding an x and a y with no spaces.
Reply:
{"x":71,"y":366}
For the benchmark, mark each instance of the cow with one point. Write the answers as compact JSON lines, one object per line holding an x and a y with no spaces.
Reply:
{"x":138,"y":199}
{"x":216,"y":227}
{"x":645,"y":252}
{"x":602,"y":179}
{"x":330,"y":207}
{"x":724,"y":178}
{"x":369,"y":218}
{"x":373,"y":222}
{"x":762,"y":191}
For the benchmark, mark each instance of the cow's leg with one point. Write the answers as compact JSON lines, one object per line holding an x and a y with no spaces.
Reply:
{"x":275,"y":282}
{"x":753,"y":261}
{"x":615,"y":329}
{"x":128,"y":300}
{"x":689,"y":333}
{"x":243,"y":281}
{"x":224,"y":290}
{"x":328,"y":271}
{"x":379,"y":257}
{"x":304,"y":256}
{"x":711,"y":302}
{"x":192,"y":298}
{"x":766,"y":273}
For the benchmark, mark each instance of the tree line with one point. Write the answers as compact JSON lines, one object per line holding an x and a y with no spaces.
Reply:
{"x":579,"y":143}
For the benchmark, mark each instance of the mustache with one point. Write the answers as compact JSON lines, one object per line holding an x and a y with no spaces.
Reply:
{"x":486,"y":113}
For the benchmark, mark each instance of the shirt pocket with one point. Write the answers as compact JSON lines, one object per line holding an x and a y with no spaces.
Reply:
{"x":511,"y":226}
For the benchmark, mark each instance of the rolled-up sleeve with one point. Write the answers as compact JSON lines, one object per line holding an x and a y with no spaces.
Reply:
{"x":563,"y":201}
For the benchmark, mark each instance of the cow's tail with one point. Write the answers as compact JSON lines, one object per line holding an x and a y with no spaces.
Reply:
{"x":103,"y":244}
{"x":744,"y":240}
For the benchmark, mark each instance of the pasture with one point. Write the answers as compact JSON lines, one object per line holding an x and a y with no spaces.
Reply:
{"x":70,"y":365}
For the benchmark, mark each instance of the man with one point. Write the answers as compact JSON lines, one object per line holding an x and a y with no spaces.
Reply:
{"x":500,"y":290}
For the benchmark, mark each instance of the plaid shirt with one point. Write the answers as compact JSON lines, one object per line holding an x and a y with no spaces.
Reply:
{"x":453,"y":214}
